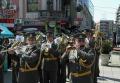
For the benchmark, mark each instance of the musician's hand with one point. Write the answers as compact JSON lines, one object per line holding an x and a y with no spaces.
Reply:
{"x":11,"y":51}
{"x":68,"y":48}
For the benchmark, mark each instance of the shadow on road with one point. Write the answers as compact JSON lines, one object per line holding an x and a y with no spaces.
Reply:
{"x":108,"y":78}
{"x":114,"y":66}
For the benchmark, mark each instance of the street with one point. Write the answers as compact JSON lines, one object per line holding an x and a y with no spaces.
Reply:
{"x":8,"y":77}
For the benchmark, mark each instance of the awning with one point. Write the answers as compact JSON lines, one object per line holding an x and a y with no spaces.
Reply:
{"x":5,"y":33}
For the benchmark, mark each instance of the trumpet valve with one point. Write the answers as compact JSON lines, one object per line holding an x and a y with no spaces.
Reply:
{"x":46,"y":49}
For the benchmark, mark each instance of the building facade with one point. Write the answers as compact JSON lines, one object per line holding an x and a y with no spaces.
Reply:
{"x":107,"y":27}
{"x":36,"y":13}
{"x":9,"y":13}
{"x":118,"y":24}
{"x":86,"y":14}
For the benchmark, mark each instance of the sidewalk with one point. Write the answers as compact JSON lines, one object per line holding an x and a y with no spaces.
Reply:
{"x":110,"y":73}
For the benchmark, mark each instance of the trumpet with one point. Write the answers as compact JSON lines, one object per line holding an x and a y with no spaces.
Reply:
{"x":39,"y":38}
{"x":14,"y":46}
{"x":70,"y":47}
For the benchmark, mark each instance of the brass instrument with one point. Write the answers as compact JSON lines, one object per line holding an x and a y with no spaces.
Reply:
{"x":39,"y":38}
{"x":18,"y":44}
{"x":47,"y":47}
{"x":14,"y":46}
{"x":65,"y":36}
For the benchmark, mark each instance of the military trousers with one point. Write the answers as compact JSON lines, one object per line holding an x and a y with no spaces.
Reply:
{"x":14,"y":75}
{"x":49,"y":76}
{"x":1,"y":76}
{"x":28,"y":77}
{"x":63,"y":73}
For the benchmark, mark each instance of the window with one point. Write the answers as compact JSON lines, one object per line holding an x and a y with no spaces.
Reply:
{"x":50,"y":5}
{"x":32,"y":5}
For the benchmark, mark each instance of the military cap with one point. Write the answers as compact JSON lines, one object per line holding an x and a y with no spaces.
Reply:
{"x":50,"y":34}
{"x":31,"y":37}
{"x":88,"y":31}
{"x":80,"y":36}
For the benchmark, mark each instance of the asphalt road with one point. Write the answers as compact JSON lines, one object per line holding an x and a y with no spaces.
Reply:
{"x":7,"y":77}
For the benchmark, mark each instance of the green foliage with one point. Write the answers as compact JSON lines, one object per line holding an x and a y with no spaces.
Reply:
{"x":106,"y":47}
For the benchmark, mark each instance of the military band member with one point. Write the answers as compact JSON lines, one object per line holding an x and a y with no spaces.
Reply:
{"x":29,"y":56}
{"x":62,"y":43}
{"x":98,"y":45}
{"x":5,"y":44}
{"x":80,"y":60}
{"x":50,"y":56}
{"x":89,"y":40}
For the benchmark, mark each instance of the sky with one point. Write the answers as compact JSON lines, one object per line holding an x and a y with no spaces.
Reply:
{"x":105,"y":9}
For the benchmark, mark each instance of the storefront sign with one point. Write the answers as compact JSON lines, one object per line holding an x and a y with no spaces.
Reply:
{"x":33,"y":22}
{"x":52,"y":23}
{"x":8,"y":12}
{"x":6,"y":20}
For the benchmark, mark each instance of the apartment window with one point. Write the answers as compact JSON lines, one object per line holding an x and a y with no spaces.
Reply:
{"x":32,"y":5}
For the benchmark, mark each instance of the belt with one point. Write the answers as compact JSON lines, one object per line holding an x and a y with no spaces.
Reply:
{"x":27,"y":70}
{"x":27,"y":67}
{"x":80,"y":74}
{"x":50,"y":59}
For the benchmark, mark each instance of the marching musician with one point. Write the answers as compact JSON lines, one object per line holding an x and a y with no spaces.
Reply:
{"x":50,"y":57}
{"x":90,"y":39}
{"x":6,"y":45}
{"x":29,"y":56}
{"x":80,"y":60}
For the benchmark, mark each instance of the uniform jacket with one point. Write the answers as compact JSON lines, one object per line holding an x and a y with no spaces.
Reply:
{"x":80,"y":62}
{"x":51,"y":65}
{"x":29,"y":59}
